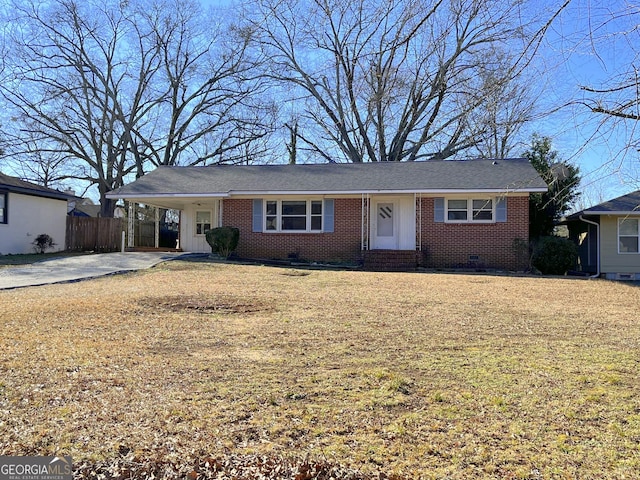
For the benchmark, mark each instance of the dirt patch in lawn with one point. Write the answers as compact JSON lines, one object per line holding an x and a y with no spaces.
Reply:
{"x":223,"y":304}
{"x":364,"y":374}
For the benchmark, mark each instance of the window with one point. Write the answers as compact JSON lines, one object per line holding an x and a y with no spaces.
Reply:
{"x":316,"y":215}
{"x":628,"y":235}
{"x":470,"y":210}
{"x":272,"y":215}
{"x":3,"y":207}
{"x":482,"y":210}
{"x":293,"y":215}
{"x":203,"y":221}
{"x":457,"y":210}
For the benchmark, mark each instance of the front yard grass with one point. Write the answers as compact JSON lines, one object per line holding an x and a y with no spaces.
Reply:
{"x":415,"y":375}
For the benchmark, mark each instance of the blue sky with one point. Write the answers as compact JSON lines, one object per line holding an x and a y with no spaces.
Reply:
{"x":591,"y":42}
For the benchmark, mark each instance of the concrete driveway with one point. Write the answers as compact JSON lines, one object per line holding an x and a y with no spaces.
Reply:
{"x":70,"y":269}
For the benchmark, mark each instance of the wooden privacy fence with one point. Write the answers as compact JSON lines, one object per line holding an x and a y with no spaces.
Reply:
{"x":144,"y":233}
{"x":97,"y":234}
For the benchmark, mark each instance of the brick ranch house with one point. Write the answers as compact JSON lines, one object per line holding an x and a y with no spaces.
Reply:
{"x":388,"y":215}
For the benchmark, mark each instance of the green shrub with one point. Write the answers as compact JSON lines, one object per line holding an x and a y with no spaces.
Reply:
{"x":522,"y":250}
{"x":554,"y":255}
{"x":42,"y":242}
{"x":223,"y":240}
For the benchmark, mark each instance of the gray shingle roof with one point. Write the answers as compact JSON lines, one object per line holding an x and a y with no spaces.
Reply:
{"x":13,"y":184}
{"x":333,"y":178}
{"x":629,"y":203}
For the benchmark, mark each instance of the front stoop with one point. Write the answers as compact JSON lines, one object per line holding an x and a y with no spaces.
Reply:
{"x":153,"y":249}
{"x":390,"y":260}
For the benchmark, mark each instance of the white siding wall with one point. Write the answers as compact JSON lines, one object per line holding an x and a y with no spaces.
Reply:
{"x":407,"y":223}
{"x":29,"y":217}
{"x":610,"y":260}
{"x":189,"y":241}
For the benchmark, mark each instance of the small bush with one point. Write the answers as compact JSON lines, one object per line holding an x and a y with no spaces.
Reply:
{"x":223,"y":240}
{"x":554,"y":255}
{"x":42,"y":242}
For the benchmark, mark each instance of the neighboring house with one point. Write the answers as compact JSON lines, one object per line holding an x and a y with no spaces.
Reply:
{"x":436,"y":214}
{"x":28,"y":210}
{"x":84,"y":207}
{"x":608,"y":237}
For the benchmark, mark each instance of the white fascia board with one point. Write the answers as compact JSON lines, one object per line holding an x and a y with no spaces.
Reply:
{"x":503,"y":191}
{"x":167,"y":195}
{"x":255,"y":193}
{"x":384,"y":192}
{"x":622,"y":212}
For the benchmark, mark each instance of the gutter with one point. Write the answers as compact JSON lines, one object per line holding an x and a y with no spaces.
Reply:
{"x":615,"y":212}
{"x":591,"y":222}
{"x":381,"y":191}
{"x":116,"y":195}
{"x":262,"y":193}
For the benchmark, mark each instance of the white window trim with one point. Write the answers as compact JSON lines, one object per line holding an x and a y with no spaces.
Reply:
{"x":469,"y":201}
{"x":195,"y":222}
{"x":618,"y":236}
{"x":279,"y":214}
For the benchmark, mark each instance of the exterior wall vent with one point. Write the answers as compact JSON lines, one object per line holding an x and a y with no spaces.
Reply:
{"x":622,"y":276}
{"x":625,"y":276}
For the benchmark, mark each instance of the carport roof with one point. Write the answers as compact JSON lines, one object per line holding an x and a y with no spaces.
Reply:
{"x":512,"y":175}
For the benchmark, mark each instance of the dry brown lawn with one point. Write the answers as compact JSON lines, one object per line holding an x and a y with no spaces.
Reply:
{"x":416,"y":375}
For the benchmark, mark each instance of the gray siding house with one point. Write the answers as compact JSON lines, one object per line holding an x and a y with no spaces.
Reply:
{"x":608,"y":237}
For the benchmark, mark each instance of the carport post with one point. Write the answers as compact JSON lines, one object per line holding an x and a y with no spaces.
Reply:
{"x":157,"y":235}
{"x":132,"y":214}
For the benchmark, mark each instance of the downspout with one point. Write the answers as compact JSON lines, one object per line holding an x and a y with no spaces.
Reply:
{"x":591,"y":222}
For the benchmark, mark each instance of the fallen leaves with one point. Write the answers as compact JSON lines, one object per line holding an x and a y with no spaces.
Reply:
{"x":236,"y":467}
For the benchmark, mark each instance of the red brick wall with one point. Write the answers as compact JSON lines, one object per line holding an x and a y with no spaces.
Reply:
{"x":342,"y":245}
{"x":444,"y":245}
{"x":447,"y":245}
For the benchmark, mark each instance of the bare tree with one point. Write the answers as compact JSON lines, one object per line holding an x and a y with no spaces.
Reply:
{"x":389,"y":80}
{"x":118,"y":87}
{"x":619,"y":95}
{"x":508,"y":105}
{"x":65,"y":65}
{"x":211,"y":104}
{"x":613,"y":40}
{"x":621,"y":100}
{"x":49,"y":168}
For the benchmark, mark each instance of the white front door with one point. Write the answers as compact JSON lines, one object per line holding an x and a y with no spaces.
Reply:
{"x":385,"y":226}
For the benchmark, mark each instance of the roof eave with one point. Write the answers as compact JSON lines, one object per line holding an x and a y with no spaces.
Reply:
{"x":125,"y":196}
{"x":611,"y":212}
{"x":428,"y":191}
{"x":35,"y":192}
